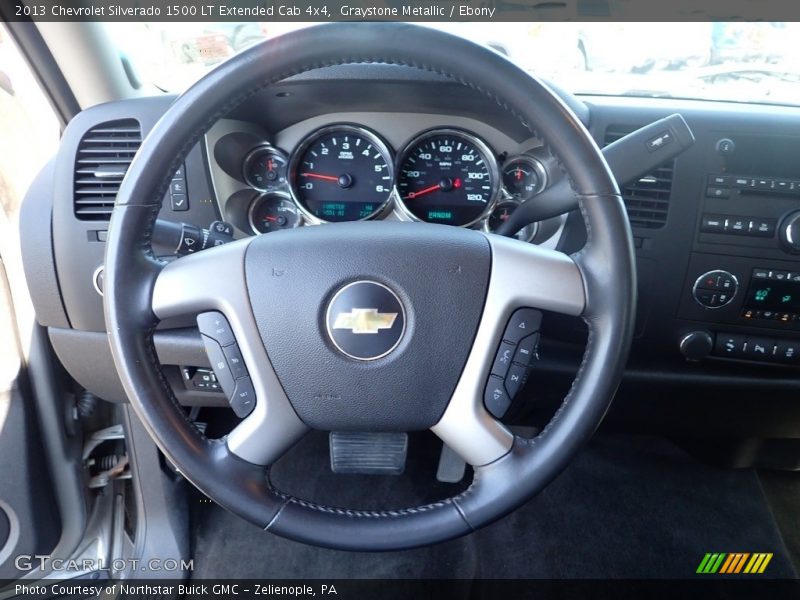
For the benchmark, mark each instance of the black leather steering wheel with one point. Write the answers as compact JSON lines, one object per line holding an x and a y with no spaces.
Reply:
{"x":435,"y":376}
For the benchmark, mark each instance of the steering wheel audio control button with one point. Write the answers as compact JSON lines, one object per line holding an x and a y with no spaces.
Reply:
{"x":527,"y":350}
{"x":502,"y":361}
{"x":515,"y":379}
{"x":495,"y":398}
{"x":523,"y":322}
{"x":215,"y":326}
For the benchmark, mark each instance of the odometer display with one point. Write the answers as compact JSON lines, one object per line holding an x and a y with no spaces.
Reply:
{"x":341,"y":173}
{"x":448,"y":176}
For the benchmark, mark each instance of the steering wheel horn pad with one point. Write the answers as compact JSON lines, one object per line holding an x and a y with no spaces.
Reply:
{"x":457,"y":289}
{"x":440,"y":274}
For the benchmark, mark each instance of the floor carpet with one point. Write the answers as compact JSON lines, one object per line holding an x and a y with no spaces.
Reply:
{"x":627,"y":507}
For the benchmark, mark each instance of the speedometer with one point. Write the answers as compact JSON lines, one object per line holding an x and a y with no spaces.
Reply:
{"x":448,"y":176}
{"x":341,"y":173}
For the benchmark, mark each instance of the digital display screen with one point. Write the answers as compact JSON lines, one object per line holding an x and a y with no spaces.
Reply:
{"x":765,"y":156}
{"x":440,"y":215}
{"x":778,"y":296}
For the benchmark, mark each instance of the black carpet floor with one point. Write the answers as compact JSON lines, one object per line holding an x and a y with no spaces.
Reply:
{"x":627,"y":507}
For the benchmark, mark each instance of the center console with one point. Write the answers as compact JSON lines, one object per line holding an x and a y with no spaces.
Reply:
{"x":743,"y":280}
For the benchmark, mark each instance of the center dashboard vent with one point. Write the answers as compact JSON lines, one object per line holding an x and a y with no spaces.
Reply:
{"x":103,"y":158}
{"x":646,"y":199}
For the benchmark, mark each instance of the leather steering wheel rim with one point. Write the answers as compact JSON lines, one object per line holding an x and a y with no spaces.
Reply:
{"x":605,"y":265}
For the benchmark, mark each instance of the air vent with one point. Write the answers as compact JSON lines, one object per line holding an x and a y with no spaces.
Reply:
{"x":647,"y":199}
{"x":104,"y":155}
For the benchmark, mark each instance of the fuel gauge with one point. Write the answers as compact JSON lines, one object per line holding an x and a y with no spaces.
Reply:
{"x":273,"y":212}
{"x":500,"y":215}
{"x":265,"y":169}
{"x":524,"y":177}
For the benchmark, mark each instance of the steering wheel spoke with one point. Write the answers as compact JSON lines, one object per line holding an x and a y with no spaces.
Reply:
{"x":215,"y":280}
{"x":522,"y":275}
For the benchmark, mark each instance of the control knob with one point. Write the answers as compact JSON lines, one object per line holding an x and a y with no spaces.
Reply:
{"x":697,"y":345}
{"x":789,"y":232}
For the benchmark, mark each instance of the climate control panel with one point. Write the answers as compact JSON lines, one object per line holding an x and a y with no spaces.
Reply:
{"x":715,"y":289}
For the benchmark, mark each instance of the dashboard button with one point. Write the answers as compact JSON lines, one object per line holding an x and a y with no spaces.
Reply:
{"x":787,"y":352}
{"x":712,"y":224}
{"x":522,"y":323}
{"x":709,"y":281}
{"x":706,"y":298}
{"x":737,"y":225}
{"x":179,"y":202}
{"x":215,"y":325}
{"x":718,"y":192}
{"x":742,"y":182}
{"x":761,"y":273}
{"x":764,"y":184}
{"x":177,"y":186}
{"x":782,"y":185}
{"x":502,"y":361}
{"x":726,"y":282}
{"x":762,"y":227}
{"x":720,"y":180}
{"x":730,"y":345}
{"x":495,"y":397}
{"x":721,"y":299}
{"x":759,"y":348}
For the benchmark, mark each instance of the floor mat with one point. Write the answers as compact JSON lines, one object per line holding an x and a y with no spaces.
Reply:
{"x":627,"y":507}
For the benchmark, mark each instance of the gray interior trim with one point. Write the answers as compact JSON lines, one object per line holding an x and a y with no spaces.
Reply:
{"x":63,"y":453}
{"x":13,"y":533}
{"x":38,"y":261}
{"x":90,"y":62}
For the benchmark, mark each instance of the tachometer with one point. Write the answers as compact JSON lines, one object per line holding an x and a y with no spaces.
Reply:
{"x":448,"y":176}
{"x":341,"y":173}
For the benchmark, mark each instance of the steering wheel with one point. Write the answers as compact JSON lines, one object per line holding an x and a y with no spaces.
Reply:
{"x":445,"y":295}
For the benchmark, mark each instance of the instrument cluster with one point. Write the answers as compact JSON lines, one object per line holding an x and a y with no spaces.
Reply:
{"x":347,"y":172}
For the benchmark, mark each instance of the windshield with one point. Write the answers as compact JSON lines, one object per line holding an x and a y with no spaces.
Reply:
{"x":734,"y":61}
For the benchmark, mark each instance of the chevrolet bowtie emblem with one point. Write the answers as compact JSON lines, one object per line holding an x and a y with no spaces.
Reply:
{"x":364,"y":320}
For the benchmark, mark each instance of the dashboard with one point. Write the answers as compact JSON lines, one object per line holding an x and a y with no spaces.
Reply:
{"x":716,"y":230}
{"x":363,"y":166}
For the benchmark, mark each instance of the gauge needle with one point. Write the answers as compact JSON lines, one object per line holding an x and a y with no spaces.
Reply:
{"x":271,"y":219}
{"x":318,"y":176}
{"x":427,"y":190}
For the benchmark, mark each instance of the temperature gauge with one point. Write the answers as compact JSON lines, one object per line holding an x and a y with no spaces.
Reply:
{"x":273,"y":212}
{"x":524,"y":177}
{"x":500,"y":215}
{"x":265,"y":169}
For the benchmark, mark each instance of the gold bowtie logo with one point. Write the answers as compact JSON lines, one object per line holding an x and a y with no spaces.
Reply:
{"x":364,"y":320}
